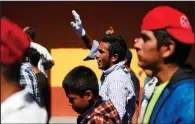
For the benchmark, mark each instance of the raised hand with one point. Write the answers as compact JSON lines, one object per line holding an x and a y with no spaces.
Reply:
{"x":77,"y":25}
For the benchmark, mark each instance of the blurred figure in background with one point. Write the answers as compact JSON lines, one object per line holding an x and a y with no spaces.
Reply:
{"x":33,"y":57}
{"x":17,"y":104}
{"x":46,"y":62}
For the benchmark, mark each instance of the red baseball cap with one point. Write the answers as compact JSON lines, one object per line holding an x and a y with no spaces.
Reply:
{"x":175,"y":22}
{"x":14,"y":42}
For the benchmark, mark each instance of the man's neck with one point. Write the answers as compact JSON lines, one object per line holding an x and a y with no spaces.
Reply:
{"x":35,"y":69}
{"x":128,"y":68}
{"x":112,"y":64}
{"x":166,"y":72}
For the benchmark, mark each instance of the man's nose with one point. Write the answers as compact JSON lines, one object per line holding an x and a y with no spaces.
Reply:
{"x":97,"y":55}
{"x":137,"y":43}
{"x":70,"y":104}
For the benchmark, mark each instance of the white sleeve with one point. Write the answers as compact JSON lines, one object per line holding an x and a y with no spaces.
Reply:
{"x":27,"y":116}
{"x":42,"y":50}
{"x":94,"y":49}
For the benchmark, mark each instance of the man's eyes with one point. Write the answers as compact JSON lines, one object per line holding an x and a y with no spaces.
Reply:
{"x":100,"y":51}
{"x":144,"y":37}
{"x":71,"y":100}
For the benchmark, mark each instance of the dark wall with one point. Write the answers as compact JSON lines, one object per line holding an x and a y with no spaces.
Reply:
{"x":51,"y":20}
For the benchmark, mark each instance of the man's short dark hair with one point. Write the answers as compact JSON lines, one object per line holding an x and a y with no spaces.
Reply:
{"x":117,"y":45}
{"x":30,"y":32}
{"x":11,"y":72}
{"x":33,"y":56}
{"x":79,"y":80}
{"x":181,"y":51}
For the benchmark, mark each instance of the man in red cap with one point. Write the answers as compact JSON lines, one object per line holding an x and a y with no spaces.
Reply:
{"x":163,"y":47}
{"x":17,"y":104}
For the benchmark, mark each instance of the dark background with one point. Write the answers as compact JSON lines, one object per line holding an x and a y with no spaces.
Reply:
{"x":51,"y":20}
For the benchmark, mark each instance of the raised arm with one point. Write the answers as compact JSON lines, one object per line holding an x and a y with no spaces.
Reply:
{"x":90,"y":43}
{"x":78,"y":28}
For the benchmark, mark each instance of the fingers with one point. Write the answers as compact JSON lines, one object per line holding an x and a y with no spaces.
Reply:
{"x":110,"y":30}
{"x":73,"y":24}
{"x":77,"y":17}
{"x":26,"y":28}
{"x":75,"y":14}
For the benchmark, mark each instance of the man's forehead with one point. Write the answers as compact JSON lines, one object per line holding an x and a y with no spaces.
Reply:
{"x":103,"y":45}
{"x":147,"y":33}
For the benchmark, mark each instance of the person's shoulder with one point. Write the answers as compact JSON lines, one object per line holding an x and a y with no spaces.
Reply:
{"x":41,"y":49}
{"x":36,"y":111}
{"x":106,"y":108}
{"x":118,"y":73}
{"x":26,"y":65}
{"x":184,"y":86}
{"x":182,"y":92}
{"x":29,"y":113}
{"x":105,"y":112}
{"x":132,"y":74}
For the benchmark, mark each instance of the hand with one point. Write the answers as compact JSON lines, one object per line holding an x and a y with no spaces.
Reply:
{"x":77,"y":25}
{"x":110,"y":30}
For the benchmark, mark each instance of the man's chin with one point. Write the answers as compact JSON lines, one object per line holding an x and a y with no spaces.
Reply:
{"x":140,"y":64}
{"x":100,"y":67}
{"x":79,"y":112}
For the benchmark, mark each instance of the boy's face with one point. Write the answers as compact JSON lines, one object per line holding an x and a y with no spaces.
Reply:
{"x":79,"y":104}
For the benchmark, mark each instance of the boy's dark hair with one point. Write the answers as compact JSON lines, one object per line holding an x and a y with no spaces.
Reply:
{"x":33,"y":56}
{"x":30,"y":32}
{"x":79,"y":80}
{"x":181,"y":51}
{"x":117,"y":45}
{"x":11,"y":72}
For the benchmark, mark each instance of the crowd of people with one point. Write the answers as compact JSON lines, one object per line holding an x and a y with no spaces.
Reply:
{"x":163,"y":47}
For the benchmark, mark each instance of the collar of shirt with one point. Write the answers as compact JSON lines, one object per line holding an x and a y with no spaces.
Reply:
{"x":109,"y":70}
{"x":14,"y":102}
{"x":83,"y":116}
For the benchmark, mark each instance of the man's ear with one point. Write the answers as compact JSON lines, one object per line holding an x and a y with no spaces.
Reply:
{"x":88,"y":95}
{"x":114,"y":58}
{"x":168,"y":50}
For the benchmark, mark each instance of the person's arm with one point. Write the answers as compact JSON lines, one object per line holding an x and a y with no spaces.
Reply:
{"x":48,"y":61}
{"x":90,"y":43}
{"x":78,"y":28}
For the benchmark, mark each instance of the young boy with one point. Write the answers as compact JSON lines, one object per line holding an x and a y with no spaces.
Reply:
{"x":81,"y":87}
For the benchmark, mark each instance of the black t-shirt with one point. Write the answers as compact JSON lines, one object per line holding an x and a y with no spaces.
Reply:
{"x":44,"y":89}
